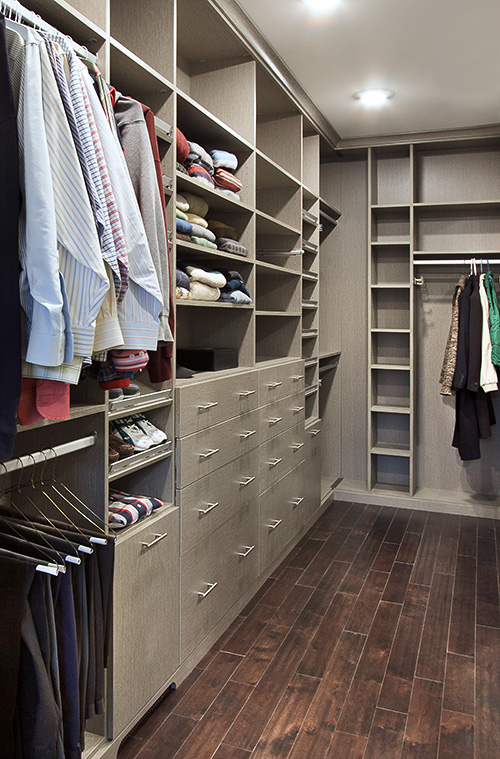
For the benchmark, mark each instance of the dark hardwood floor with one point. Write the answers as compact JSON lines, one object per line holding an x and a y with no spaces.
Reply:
{"x":378,"y":637}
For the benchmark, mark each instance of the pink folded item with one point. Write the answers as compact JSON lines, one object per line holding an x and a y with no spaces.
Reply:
{"x":227,"y":180}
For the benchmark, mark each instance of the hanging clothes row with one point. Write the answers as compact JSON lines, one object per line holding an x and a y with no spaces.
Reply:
{"x":472,"y":360}
{"x":93,"y":251}
{"x":55,"y":623}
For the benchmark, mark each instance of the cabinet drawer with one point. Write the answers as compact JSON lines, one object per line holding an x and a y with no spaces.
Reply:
{"x":279,"y":516}
{"x":313,"y":453}
{"x":277,"y":381}
{"x":280,"y":454}
{"x":145,"y":608}
{"x":203,"y":452}
{"x":203,"y":404}
{"x":209,"y":502}
{"x":214,"y":577}
{"x":280,"y":415}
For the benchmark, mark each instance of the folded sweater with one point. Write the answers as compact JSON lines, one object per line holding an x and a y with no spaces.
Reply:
{"x":201,"y":291}
{"x":182,"y":279}
{"x":184,"y":226}
{"x":196,"y":205}
{"x":202,"y":241}
{"x":235,"y":284}
{"x":202,"y":232}
{"x":197,"y":154}
{"x":223,"y":159}
{"x":237,"y":296}
{"x":212,"y":278}
{"x":195,"y":219}
{"x":198,"y":172}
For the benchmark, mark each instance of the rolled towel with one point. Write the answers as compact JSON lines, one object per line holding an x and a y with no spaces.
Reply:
{"x":227,"y":180}
{"x":201,"y":232}
{"x":181,"y":203}
{"x":237,"y":296}
{"x":184,"y":226}
{"x":182,"y":279}
{"x":224,"y":160}
{"x":231,"y":246}
{"x":180,"y":214}
{"x":200,"y":291}
{"x":198,"y":172}
{"x":196,"y":205}
{"x":222,"y":230}
{"x":193,"y":218}
{"x":182,"y":147}
{"x":211,"y":278}
{"x":202,"y":241}
{"x":197,"y":154}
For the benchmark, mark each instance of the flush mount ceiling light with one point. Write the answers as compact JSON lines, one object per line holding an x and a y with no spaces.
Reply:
{"x":319,"y":6}
{"x":374,"y":97}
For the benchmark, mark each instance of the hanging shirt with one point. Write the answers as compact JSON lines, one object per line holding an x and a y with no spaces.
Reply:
{"x":494,"y":318}
{"x":488,"y":377}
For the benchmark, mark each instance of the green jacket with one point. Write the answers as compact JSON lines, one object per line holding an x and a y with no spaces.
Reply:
{"x":489,"y":286}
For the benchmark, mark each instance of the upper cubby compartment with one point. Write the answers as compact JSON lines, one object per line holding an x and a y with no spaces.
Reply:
{"x":390,"y":225}
{"x":310,"y":162}
{"x":458,"y":175}
{"x":391,"y":177}
{"x":279,"y":125}
{"x":83,"y":20}
{"x":278,"y":194}
{"x":214,"y":67}
{"x":133,"y":78}
{"x":147,"y":32}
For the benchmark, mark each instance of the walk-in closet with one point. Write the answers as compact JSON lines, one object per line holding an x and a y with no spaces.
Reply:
{"x":250,"y":462}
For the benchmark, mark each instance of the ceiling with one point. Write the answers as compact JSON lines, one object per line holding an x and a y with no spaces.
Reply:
{"x":440,"y":57}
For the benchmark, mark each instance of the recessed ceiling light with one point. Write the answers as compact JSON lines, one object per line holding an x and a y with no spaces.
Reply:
{"x":373,"y":97}
{"x":319,"y":6}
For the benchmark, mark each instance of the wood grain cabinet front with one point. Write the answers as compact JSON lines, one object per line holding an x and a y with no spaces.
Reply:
{"x":278,"y":515}
{"x":280,"y":415}
{"x":280,"y":380}
{"x":279,"y":455}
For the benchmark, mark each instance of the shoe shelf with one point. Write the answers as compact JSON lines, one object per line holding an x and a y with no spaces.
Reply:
{"x":145,"y":400}
{"x":139,"y":460}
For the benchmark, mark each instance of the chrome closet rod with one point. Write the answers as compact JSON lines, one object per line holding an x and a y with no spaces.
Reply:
{"x":455,"y":261}
{"x":38,"y":457}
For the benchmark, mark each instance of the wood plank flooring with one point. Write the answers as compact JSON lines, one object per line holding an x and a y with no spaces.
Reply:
{"x":378,"y":637}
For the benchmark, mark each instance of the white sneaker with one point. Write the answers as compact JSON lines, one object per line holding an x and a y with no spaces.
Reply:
{"x":155,"y":434}
{"x":131,"y":433}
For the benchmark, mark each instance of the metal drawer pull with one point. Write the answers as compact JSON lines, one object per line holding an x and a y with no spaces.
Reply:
{"x":248,"y":550}
{"x":208,"y":405}
{"x":276,"y":420}
{"x":246,"y":393}
{"x":211,"y":506}
{"x":297,"y":377}
{"x":277,"y":522}
{"x":274,"y":462}
{"x":244,"y":435}
{"x":211,"y":452}
{"x":314,"y":432}
{"x":297,"y":409}
{"x":272,"y":385}
{"x":297,"y":446}
{"x":211,"y":586}
{"x":297,"y":501}
{"x":246,"y":482}
{"x":157,"y":539}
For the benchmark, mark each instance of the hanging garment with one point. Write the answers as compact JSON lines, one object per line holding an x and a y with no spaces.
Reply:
{"x":494,"y":318}
{"x":450,"y":354}
{"x":489,"y":381}
{"x":475,"y":336}
{"x":462,"y":358}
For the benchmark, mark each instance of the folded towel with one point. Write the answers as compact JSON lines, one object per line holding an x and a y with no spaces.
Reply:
{"x":182,"y":237}
{"x":228,"y":193}
{"x":200,"y":291}
{"x":196,"y":171}
{"x":212,"y":278}
{"x":227,"y":180}
{"x":195,"y":219}
{"x":182,"y":147}
{"x":235,"y":284}
{"x":222,"y":230}
{"x":181,"y":203}
{"x":180,"y":214}
{"x":202,"y":241}
{"x":223,"y":159}
{"x":183,"y":226}
{"x":182,"y":294}
{"x":237,"y":296}
{"x":231,"y":246}
{"x":182,"y":279}
{"x":197,"y":154}
{"x":201,"y":232}
{"x":196,"y":205}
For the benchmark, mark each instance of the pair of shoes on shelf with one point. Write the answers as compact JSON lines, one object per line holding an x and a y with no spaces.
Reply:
{"x":138,"y":431}
{"x":124,"y":392}
{"x":118,"y":448}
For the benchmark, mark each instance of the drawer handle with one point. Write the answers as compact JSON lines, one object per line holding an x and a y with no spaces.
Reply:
{"x":298,"y":409}
{"x":297,"y":377}
{"x":246,"y":393}
{"x":211,"y":586}
{"x":276,"y":420}
{"x":244,"y":435}
{"x":211,"y":507}
{"x":274,"y":462}
{"x":211,"y":452}
{"x":157,"y":539}
{"x":208,"y":405}
{"x":273,"y":385}
{"x":248,"y":549}
{"x":314,"y":432}
{"x":277,"y":522}
{"x":246,"y":482}
{"x":297,"y":501}
{"x":297,"y":446}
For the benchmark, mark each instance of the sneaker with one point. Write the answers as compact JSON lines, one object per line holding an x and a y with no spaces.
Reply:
{"x":131,"y":390}
{"x":156,"y":435}
{"x":131,"y":433}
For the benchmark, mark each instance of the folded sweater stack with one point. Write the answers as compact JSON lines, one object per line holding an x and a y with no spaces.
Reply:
{"x":214,"y":169}
{"x":234,"y":291}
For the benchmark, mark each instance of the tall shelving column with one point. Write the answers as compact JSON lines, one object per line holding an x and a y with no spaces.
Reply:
{"x":390,"y":353}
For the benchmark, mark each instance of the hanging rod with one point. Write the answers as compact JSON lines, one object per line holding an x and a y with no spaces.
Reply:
{"x":454,"y":261}
{"x":36,"y":21}
{"x":38,"y":457}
